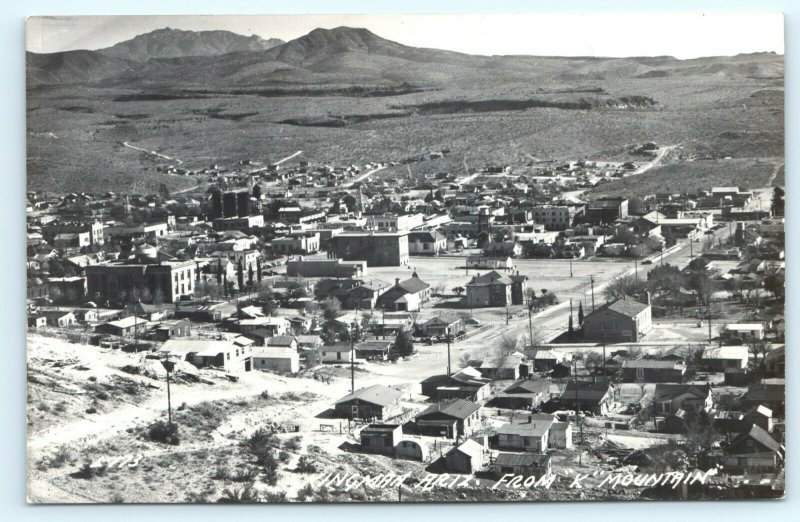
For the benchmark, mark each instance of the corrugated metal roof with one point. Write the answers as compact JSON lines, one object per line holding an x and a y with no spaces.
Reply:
{"x":522,"y":459}
{"x":458,"y":408}
{"x":375,"y":394}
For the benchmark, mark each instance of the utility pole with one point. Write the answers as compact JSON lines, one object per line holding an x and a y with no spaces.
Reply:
{"x":604,"y":356}
{"x":506,"y":314}
{"x":530,"y":335}
{"x":591,"y":279}
{"x":447,"y":337}
{"x":353,"y":334}
{"x":709,"y":324}
{"x":691,"y":249}
{"x":578,"y":412}
{"x":570,"y":265}
{"x":169,"y":366}
{"x":636,"y":266}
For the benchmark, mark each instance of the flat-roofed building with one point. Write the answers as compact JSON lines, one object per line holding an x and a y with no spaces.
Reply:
{"x":376,"y":248}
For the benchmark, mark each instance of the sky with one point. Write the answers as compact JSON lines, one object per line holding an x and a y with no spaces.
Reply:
{"x":591,"y":34}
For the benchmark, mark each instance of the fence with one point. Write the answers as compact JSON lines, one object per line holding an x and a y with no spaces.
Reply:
{"x":469,"y":334}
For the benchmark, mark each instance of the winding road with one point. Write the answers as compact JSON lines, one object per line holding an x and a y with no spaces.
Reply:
{"x":151,"y":152}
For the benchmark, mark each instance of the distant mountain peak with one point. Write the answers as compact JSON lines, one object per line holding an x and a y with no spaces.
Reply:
{"x":177,"y":43}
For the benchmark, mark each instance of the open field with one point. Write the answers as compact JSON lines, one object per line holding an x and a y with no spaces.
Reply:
{"x":693,"y":176}
{"x":75,"y":136}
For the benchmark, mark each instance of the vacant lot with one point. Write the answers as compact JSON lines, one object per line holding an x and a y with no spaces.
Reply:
{"x":692,"y":176}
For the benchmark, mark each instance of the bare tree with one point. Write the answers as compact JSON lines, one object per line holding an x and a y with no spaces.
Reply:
{"x":628,"y":285}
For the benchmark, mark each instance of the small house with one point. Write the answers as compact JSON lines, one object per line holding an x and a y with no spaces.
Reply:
{"x":652,"y":370}
{"x":457,"y":417}
{"x":380,"y":438}
{"x":285,"y":360}
{"x":467,"y":458}
{"x":754,"y":450}
{"x":525,"y":464}
{"x":372,"y":402}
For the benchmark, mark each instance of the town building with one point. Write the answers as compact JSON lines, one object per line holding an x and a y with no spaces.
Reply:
{"x":335,"y":268}
{"x":376,"y":248}
{"x":166,"y":280}
{"x":622,"y":320}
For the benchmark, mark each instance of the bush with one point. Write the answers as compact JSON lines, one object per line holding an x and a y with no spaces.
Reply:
{"x":221,"y":472}
{"x":164,"y":432}
{"x":270,"y":468}
{"x":245,"y":495}
{"x":91,"y":410}
{"x":61,"y":457}
{"x":275,"y":497}
{"x":87,"y":472}
{"x":306,"y":492}
{"x":306,"y":466}
{"x":283,"y":457}
{"x":264,"y":395}
{"x":201,"y":497}
{"x":244,"y":475}
{"x":294,"y":443}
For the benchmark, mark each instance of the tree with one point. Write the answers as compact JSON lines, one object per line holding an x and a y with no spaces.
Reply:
{"x":665,"y":280}
{"x":458,"y":290}
{"x":628,"y":285}
{"x":580,"y":313}
{"x":331,"y":308}
{"x":571,"y":327}
{"x":250,"y":275}
{"x":702,"y":285}
{"x":240,"y":274}
{"x":778,"y":203}
{"x":776,"y":284}
{"x":593,"y":361}
{"x":258,"y":268}
{"x":219,"y":271}
{"x":758,"y":348}
{"x":225,"y":284}
{"x":403,"y":345}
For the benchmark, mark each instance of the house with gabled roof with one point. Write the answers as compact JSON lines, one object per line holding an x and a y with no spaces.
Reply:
{"x":456,"y":417}
{"x":653,"y":370}
{"x":405,"y":296}
{"x":373,"y":402}
{"x":754,"y":450}
{"x":467,"y":457}
{"x":669,"y":398}
{"x":525,"y":464}
{"x":622,"y":320}
{"x":426,"y":243}
{"x":442,"y":324}
{"x":466,"y":383}
{"x":598,"y":397}
{"x":523,"y":394}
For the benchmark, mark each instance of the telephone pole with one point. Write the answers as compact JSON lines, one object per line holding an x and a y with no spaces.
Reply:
{"x":570,"y":265}
{"x":591,"y":279}
{"x":447,"y":337}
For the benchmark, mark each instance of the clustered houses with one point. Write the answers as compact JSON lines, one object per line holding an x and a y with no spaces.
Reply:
{"x":202,"y":277}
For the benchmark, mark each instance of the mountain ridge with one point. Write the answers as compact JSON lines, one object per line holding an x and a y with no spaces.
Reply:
{"x":349,"y":56}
